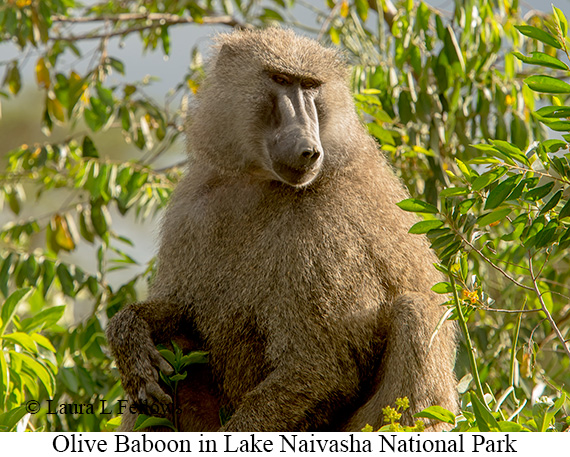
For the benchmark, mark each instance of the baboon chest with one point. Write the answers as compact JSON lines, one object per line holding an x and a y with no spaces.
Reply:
{"x":266,"y":281}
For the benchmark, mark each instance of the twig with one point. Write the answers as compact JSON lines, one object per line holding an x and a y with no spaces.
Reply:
{"x":163,"y":19}
{"x":496,"y":267}
{"x":512,"y":311}
{"x":328,"y":20}
{"x":545,"y":309}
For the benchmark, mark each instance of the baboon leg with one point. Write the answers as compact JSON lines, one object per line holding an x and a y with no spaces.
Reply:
{"x":410,"y":367}
{"x":295,"y":396}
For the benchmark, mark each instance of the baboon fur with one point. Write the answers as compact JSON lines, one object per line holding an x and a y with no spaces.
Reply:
{"x":311,"y":297}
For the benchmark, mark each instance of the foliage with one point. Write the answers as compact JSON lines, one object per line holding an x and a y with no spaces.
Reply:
{"x":447,"y":97}
{"x":501,"y":230}
{"x":393,"y":415}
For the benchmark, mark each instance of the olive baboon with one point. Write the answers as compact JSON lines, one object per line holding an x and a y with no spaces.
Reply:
{"x":284,"y":255}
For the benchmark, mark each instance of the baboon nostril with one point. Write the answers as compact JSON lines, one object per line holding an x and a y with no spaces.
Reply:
{"x":310,"y":154}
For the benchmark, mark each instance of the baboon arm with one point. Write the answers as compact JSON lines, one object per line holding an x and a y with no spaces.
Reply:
{"x":132,"y":334}
{"x":410,"y":366}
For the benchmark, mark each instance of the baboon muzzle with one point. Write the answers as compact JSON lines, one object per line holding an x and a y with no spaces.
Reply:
{"x":294,"y":146}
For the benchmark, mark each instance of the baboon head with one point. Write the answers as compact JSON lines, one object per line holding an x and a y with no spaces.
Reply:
{"x":265,"y":101}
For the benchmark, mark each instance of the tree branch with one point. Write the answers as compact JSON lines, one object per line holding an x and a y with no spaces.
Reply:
{"x":151,"y":20}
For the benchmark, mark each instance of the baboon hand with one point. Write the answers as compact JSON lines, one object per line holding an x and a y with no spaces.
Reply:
{"x":141,"y":381}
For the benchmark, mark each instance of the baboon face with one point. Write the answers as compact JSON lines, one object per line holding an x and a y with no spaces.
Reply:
{"x":292,"y":140}
{"x":267,"y":107}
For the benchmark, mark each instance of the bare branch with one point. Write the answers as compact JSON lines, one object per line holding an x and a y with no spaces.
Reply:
{"x":163,"y":18}
{"x":151,"y":20}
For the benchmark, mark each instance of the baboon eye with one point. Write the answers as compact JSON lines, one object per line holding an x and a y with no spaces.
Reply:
{"x":281,"y":79}
{"x":309,"y":84}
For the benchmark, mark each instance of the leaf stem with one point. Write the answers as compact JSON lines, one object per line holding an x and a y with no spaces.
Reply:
{"x":470,"y":347}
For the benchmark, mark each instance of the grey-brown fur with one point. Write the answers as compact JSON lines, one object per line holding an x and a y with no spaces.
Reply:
{"x":312,"y":299}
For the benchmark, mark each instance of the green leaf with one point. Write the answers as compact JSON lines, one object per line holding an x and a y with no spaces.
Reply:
{"x":106,"y":95}
{"x":9,"y":307}
{"x":544,"y":412}
{"x":500,"y":193}
{"x":546,"y":235}
{"x":442,"y":241}
{"x":466,"y":205}
{"x":558,"y":126}
{"x":48,"y":275}
{"x":485,"y":420}
{"x":144,"y":421}
{"x":271,"y":15}
{"x":552,"y":202}
{"x":93,"y":120}
{"x":5,"y":274}
{"x":66,"y":280}
{"x":539,"y":192}
{"x":510,"y":150}
{"x":510,"y":427}
{"x":553,"y":145}
{"x":42,"y":74}
{"x":542,"y":59}
{"x":88,"y":148}
{"x":558,"y":404}
{"x":13,"y":78}
{"x":100,"y":218}
{"x":36,"y":368}
{"x":493,"y":216}
{"x":539,"y":34}
{"x":381,"y":133}
{"x":554,"y":111}
{"x":425,"y":226}
{"x":450,"y":251}
{"x":437,"y":413}
{"x":10,"y":419}
{"x":547,"y":84}
{"x":417,"y":206}
{"x":454,"y":191}
{"x":488,"y":178}
{"x":168,"y":356}
{"x":22,"y":339}
{"x":43,"y":342}
{"x":195,"y":357}
{"x":442,"y":288}
{"x":44,"y":319}
{"x":565,"y":211}
{"x":117,"y":65}
{"x":467,"y":172}
{"x":362,"y":8}
{"x":85,"y":226}
{"x":560,"y":20}
{"x":178,"y":376}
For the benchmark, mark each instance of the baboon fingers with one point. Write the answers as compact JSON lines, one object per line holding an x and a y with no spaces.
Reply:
{"x":151,"y":393}
{"x":161,"y":363}
{"x":156,"y":392}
